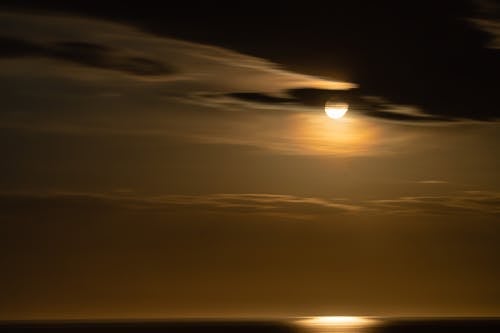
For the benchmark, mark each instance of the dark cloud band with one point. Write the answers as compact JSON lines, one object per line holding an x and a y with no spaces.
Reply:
{"x":85,"y":54}
{"x":316,"y":98}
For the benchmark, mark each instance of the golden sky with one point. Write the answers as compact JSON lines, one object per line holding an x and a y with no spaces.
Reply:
{"x":137,"y":183}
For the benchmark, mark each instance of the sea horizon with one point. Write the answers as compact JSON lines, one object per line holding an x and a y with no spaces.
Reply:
{"x":318,"y":324}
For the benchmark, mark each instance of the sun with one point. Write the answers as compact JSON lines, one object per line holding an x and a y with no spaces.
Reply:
{"x":336,"y":110}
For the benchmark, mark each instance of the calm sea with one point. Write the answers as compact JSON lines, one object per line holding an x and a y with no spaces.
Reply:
{"x":332,"y":324}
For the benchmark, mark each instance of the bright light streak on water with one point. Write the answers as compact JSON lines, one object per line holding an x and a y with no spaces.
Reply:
{"x":337,"y":324}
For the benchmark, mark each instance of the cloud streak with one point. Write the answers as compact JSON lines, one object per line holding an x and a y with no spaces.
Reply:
{"x":467,"y":202}
{"x":85,"y":54}
{"x":310,"y":98}
{"x":258,"y":204}
{"x":228,"y":203}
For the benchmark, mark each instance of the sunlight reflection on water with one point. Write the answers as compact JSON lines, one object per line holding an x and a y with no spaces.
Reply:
{"x":337,"y":324}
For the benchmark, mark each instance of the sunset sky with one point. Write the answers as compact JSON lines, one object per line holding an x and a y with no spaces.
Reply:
{"x":175,"y":160}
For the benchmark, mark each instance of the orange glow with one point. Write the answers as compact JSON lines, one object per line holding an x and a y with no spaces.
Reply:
{"x":345,"y":136}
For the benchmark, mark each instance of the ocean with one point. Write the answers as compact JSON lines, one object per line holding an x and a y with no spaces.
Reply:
{"x":332,"y":324}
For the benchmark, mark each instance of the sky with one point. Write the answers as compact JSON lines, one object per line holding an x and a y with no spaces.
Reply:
{"x":175,"y":160}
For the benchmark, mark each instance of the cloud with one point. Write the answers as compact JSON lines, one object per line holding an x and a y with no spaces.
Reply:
{"x":64,"y":74}
{"x":290,"y":206}
{"x":99,"y":42}
{"x":493,"y":28}
{"x":467,"y":202}
{"x":487,"y":19}
{"x":85,"y":54}
{"x":432,"y":181}
{"x":444,"y":69}
{"x":53,"y":95}
{"x":311,"y":98}
{"x":216,"y":76}
{"x":257,"y":204}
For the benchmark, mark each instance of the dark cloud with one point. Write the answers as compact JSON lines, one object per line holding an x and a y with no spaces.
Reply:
{"x":422,"y":53}
{"x":16,"y":48}
{"x":261,"y":98}
{"x":317,"y":98}
{"x":86,"y":54}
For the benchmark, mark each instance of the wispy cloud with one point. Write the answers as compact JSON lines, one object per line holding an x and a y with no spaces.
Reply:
{"x":467,"y":202}
{"x":93,"y":77}
{"x":258,"y":204}
{"x":487,"y":19}
{"x":432,"y":181}
{"x":290,"y":206}
{"x":99,"y":43}
{"x":492,"y":27}
{"x":85,"y":54}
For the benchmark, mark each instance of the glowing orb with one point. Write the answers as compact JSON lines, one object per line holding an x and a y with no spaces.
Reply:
{"x":336,"y":110}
